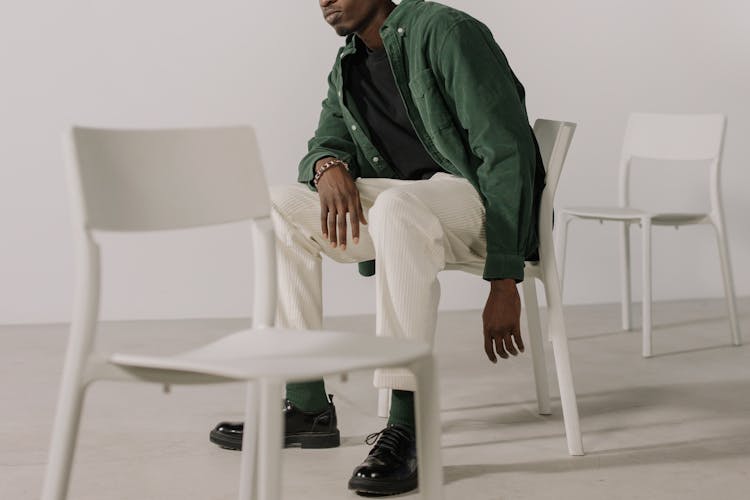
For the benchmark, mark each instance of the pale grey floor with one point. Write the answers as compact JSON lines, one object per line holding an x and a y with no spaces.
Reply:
{"x":673,"y":427}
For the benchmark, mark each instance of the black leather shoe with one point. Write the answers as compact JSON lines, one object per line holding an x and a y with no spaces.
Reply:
{"x":301,"y":428}
{"x":391,"y":466}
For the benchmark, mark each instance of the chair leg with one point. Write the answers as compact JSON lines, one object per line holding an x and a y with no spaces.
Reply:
{"x":562,"y":361}
{"x":646,"y":321}
{"x":537,"y":346}
{"x":427,"y":406}
{"x":270,"y":441}
{"x":625,"y":275}
{"x":726,"y":272}
{"x":384,"y":402}
{"x":64,"y":436}
{"x":249,"y":443}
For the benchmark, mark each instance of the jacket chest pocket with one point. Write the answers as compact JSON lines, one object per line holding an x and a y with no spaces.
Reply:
{"x":429,"y":101}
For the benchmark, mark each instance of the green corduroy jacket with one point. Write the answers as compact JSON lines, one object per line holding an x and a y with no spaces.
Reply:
{"x":467,"y":108}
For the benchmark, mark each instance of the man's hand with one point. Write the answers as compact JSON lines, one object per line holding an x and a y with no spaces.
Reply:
{"x":502,"y":319}
{"x":338,"y":196}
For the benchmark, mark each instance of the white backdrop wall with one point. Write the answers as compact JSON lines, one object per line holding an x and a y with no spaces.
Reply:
{"x":140,"y":63}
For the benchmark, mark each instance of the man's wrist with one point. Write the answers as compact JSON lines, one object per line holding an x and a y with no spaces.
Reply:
{"x":502,"y":283}
{"x":328,"y":165}
{"x":321,"y":162}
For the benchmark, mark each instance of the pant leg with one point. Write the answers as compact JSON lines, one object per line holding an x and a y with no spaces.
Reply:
{"x":300,"y":244}
{"x":417,"y":228}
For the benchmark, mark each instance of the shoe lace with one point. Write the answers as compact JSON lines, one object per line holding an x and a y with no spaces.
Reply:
{"x":317,"y":420}
{"x":389,"y":438}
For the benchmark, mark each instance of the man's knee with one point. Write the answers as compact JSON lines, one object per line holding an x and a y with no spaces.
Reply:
{"x":391,"y":207}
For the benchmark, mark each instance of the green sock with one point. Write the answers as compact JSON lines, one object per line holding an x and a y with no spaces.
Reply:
{"x":402,"y":409}
{"x":308,"y":396}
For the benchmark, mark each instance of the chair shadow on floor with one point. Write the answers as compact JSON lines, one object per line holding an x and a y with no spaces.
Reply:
{"x":714,"y":448}
{"x":682,"y":399}
{"x":690,"y":396}
{"x":688,"y":404}
{"x":698,"y":395}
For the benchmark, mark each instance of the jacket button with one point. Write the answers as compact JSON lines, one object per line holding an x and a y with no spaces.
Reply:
{"x":400,"y":31}
{"x":375,"y":159}
{"x":354,"y":127}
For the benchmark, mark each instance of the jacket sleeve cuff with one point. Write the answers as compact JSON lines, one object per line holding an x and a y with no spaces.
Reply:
{"x":503,"y":266}
{"x":307,"y":171}
{"x":306,"y":177}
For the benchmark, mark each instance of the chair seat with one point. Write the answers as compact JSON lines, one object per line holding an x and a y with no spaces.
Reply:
{"x":677,"y":219}
{"x":623,"y":214}
{"x":289,"y":355}
{"x":612,"y":213}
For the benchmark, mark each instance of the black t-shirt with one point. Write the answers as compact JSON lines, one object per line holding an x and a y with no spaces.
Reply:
{"x":373,"y":89}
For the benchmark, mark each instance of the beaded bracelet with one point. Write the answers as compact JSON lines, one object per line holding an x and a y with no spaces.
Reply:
{"x":329,"y":164}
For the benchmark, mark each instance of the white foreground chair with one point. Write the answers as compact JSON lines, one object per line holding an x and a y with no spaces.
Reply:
{"x":662,"y":137}
{"x":554,"y":138}
{"x":130,"y":181}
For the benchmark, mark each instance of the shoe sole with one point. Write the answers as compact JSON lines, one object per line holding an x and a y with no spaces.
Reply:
{"x":311,"y":440}
{"x":370,"y":487}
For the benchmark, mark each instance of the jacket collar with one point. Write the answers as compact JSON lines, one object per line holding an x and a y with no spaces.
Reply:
{"x":398,"y":15}
{"x":390,"y":25}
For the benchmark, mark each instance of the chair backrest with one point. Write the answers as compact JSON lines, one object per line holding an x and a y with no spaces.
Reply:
{"x":673,"y":137}
{"x":554,"y":138}
{"x":146,"y":180}
{"x":142,"y":180}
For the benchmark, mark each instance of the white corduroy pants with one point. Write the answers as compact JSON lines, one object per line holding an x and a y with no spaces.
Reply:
{"x":415,"y":229}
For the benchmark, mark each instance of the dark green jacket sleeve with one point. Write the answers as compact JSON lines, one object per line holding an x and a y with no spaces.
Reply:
{"x":331,"y":137}
{"x":488,"y":102}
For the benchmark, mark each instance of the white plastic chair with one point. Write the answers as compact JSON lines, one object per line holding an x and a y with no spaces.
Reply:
{"x":678,"y":137}
{"x":129,"y":181}
{"x":554,"y":138}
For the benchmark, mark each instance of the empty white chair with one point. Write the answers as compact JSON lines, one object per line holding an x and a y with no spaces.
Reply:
{"x":128,"y":181}
{"x":678,"y":137}
{"x":554,"y":138}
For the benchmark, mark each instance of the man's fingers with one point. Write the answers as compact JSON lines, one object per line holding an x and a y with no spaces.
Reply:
{"x":341,"y":229}
{"x":499,"y":347}
{"x":324,"y":220}
{"x":489,"y":349}
{"x":332,"y":226}
{"x":333,"y":221}
{"x":354,"y":221}
{"x":508,"y":341}
{"x":341,"y":225}
{"x":519,"y":340}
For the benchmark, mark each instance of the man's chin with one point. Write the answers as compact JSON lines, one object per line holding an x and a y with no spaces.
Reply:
{"x":342,"y":30}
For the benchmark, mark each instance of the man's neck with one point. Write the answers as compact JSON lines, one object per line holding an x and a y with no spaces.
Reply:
{"x":370,"y":33}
